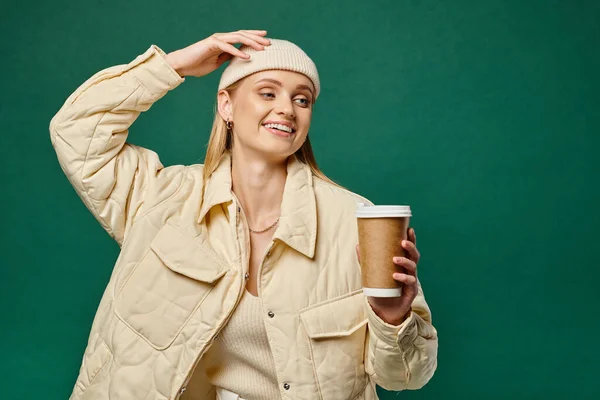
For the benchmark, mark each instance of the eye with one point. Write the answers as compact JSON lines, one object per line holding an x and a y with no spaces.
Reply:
{"x":267,"y":94}
{"x":305,"y":102}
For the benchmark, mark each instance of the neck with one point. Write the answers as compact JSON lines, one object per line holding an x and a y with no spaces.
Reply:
{"x":258,"y":184}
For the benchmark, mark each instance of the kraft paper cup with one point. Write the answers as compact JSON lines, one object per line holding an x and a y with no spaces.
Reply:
{"x":381,"y":230}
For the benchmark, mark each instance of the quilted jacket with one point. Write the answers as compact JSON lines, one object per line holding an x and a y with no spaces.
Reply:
{"x":180,"y":271}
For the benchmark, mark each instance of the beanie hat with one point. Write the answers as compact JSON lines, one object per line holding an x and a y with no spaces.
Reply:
{"x":280,"y":54}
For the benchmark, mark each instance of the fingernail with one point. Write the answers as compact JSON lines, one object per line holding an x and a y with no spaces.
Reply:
{"x":404,"y":243}
{"x":396,"y":259}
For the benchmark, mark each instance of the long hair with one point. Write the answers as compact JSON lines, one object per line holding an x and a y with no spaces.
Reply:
{"x":221,"y":141}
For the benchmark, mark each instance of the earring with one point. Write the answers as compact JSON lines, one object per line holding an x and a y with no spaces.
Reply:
{"x":229,"y":125}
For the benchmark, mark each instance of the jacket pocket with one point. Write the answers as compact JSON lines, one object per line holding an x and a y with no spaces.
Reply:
{"x":337,"y":331}
{"x":169,"y":283}
{"x":91,"y":367}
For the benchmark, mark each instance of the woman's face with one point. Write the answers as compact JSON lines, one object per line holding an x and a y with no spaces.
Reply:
{"x":265,"y":107}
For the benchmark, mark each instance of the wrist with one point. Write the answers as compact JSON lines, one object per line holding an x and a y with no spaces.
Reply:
{"x":395,"y":321}
{"x":387,"y":310}
{"x":173,"y":61}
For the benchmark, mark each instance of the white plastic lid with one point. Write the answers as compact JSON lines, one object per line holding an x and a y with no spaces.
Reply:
{"x":364,"y":211}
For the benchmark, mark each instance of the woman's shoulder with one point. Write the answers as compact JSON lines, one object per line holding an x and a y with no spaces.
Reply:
{"x":196,"y":169}
{"x":331,"y":193}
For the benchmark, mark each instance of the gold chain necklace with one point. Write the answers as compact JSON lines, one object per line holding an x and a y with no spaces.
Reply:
{"x":264,"y":230}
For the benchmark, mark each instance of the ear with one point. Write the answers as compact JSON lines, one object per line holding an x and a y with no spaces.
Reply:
{"x":225,"y":105}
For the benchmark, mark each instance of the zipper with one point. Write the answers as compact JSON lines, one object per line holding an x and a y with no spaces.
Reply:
{"x":225,"y":321}
{"x":241,"y":292}
{"x":207,"y":347}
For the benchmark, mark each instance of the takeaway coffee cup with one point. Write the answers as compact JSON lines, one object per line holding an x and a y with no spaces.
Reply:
{"x":381,"y":230}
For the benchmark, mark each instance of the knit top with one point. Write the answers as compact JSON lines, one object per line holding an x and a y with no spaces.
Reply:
{"x":240,"y":360}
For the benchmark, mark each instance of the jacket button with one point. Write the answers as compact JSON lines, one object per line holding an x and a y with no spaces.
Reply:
{"x":182,"y":390}
{"x":271,"y":314}
{"x":239,"y":209}
{"x":286,"y":386}
{"x":247,"y":276}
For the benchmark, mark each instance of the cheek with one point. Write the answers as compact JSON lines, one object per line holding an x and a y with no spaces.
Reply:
{"x":249,"y":110}
{"x":305,"y":118}
{"x":258,"y":111}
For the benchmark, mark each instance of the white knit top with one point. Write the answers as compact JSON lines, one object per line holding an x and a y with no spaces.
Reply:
{"x":240,"y":360}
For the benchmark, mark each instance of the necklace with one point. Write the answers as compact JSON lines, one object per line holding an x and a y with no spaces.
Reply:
{"x":264,"y":230}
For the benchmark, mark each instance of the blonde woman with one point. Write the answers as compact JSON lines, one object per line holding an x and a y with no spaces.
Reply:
{"x":238,"y":278}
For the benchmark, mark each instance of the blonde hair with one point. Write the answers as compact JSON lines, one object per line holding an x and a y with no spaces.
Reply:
{"x":220,"y":141}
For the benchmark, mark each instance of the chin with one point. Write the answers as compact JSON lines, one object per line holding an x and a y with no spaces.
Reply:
{"x":276,"y":153}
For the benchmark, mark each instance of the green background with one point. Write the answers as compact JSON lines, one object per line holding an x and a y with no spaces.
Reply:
{"x":483,"y":116}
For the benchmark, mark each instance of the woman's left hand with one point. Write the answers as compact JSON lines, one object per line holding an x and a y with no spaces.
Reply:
{"x":394,"y":310}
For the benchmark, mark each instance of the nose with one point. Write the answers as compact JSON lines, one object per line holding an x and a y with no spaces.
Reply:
{"x":285,"y":106}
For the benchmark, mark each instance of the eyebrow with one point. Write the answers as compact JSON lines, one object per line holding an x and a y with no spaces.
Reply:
{"x":276,"y":82}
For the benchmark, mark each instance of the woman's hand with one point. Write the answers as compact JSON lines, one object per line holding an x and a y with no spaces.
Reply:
{"x":394,"y":310}
{"x":205,"y":56}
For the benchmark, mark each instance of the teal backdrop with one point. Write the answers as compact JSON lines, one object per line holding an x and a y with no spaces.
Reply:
{"x":483,"y":116}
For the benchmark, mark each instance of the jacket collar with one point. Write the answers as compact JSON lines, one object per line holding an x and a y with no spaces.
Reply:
{"x":298,"y":222}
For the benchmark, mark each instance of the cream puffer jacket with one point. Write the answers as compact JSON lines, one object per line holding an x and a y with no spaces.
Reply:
{"x":181,"y":269}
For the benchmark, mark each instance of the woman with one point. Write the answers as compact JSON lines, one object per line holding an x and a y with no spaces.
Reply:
{"x":237,"y":279}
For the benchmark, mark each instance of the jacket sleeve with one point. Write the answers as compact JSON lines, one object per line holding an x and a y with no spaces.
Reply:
{"x":116,"y":180}
{"x":404,"y":356}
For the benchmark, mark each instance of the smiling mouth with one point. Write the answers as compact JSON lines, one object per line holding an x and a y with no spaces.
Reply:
{"x":280,"y":128}
{"x":277,"y":132}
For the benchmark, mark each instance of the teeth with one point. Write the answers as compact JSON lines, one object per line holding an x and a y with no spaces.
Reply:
{"x":280,"y":127}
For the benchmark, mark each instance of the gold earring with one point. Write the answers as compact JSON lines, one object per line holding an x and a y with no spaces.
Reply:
{"x":229,"y":124}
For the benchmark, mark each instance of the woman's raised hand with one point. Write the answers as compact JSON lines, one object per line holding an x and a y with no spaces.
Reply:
{"x":205,"y":56}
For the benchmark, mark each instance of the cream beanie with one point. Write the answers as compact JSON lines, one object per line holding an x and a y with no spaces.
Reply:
{"x":281,"y":54}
